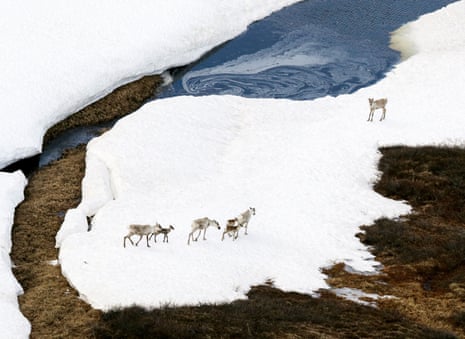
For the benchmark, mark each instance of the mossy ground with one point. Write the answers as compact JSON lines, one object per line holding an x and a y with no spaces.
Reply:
{"x":423,"y":253}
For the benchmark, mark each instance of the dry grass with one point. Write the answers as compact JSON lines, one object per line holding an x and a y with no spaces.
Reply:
{"x":268,"y":313}
{"x":50,"y":304}
{"x":121,"y":101}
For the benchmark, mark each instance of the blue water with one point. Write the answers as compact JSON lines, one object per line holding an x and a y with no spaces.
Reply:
{"x":68,"y":140}
{"x":312,"y":49}
{"x":309,"y":50}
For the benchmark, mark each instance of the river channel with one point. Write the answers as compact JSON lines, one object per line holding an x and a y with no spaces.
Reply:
{"x":309,"y":50}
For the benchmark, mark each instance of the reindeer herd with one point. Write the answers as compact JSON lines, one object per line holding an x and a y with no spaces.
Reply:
{"x":198,"y":225}
{"x":232,"y":226}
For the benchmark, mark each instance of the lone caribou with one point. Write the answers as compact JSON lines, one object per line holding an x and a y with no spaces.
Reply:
{"x":377,"y":104}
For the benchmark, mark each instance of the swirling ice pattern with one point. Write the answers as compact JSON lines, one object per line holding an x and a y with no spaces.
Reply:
{"x":298,"y":83}
{"x":300,"y":66}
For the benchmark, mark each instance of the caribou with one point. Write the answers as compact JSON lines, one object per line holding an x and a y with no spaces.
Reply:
{"x":244,"y":218}
{"x":232,"y":228}
{"x":141,"y":230}
{"x":199,"y":225}
{"x":162,"y":230}
{"x":377,"y":104}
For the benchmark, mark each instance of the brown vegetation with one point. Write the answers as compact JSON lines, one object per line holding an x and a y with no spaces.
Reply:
{"x":423,"y":253}
{"x":50,"y":304}
{"x":124,"y":100}
{"x":267,"y":313}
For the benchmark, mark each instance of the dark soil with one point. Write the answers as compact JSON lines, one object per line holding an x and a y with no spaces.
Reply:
{"x":423,"y":253}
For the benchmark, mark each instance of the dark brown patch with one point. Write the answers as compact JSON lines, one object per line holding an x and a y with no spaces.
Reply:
{"x":424,"y":253}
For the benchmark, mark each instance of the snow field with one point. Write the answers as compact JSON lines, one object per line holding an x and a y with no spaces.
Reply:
{"x":307,"y":167}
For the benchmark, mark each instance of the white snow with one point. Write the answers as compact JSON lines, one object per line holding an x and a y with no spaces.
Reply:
{"x":14,"y":325}
{"x":358,"y":296}
{"x":307,"y":168}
